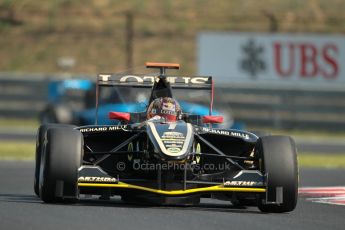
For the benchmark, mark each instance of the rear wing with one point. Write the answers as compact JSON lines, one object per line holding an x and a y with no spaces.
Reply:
{"x":147,"y":81}
{"x":161,"y":84}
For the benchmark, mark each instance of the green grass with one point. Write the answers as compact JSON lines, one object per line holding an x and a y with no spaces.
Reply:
{"x":90,"y":30}
{"x":33,"y":124}
{"x":303,"y":134}
{"x":12,"y":150}
{"x":6,"y":123}
{"x":26,"y":151}
{"x":310,"y":160}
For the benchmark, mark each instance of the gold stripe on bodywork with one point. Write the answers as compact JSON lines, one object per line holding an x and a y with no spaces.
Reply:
{"x":186,"y":140}
{"x":216,"y":188}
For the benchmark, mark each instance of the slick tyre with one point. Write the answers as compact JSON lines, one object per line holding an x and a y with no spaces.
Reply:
{"x":40,"y":137}
{"x":60,"y":160}
{"x":278,"y":158}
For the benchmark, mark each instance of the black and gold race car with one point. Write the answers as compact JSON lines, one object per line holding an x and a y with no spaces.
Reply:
{"x":162,"y":155}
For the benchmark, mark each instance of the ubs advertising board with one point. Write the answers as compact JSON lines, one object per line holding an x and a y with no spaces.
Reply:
{"x":284,"y":59}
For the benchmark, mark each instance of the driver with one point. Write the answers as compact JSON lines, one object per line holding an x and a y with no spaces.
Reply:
{"x":165,"y":108}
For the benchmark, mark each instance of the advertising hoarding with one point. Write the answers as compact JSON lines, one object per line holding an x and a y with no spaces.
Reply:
{"x":264,"y":58}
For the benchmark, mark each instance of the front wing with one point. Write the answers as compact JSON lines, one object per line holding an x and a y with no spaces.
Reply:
{"x":245,"y":181}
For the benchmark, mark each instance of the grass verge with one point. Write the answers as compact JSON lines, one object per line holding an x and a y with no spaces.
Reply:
{"x":14,"y":123}
{"x":303,"y":134}
{"x":311,"y":160}
{"x":26,"y":151}
{"x":12,"y":150}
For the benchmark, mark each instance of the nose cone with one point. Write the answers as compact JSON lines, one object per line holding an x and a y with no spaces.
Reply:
{"x":172,"y":141}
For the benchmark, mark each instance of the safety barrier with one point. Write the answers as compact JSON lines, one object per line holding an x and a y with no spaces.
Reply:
{"x":25,"y":95}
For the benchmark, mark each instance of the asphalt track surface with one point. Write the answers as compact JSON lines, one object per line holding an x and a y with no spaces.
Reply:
{"x":21,"y":209}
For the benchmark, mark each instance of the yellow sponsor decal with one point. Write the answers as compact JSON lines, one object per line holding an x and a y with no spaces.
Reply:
{"x":198,"y":150}
{"x":174,"y":150}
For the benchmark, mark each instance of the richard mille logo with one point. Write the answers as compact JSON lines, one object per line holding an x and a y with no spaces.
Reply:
{"x":253,"y":62}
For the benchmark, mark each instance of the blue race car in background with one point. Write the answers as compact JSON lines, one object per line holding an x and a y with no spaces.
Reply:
{"x":72,"y":101}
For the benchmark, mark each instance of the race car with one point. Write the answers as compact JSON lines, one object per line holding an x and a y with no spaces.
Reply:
{"x":163,"y":155}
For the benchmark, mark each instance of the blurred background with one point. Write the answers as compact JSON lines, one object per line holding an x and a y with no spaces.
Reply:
{"x":97,"y":34}
{"x":278,"y":65}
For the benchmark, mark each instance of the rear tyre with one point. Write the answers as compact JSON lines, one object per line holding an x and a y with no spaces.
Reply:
{"x":60,"y":160}
{"x":279,"y":161}
{"x":40,"y":137}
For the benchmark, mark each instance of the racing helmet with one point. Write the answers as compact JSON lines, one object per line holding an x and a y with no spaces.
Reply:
{"x":164,"y":107}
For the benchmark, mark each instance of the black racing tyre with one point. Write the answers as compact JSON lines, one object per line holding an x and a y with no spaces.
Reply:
{"x":61,"y":157}
{"x":40,"y":136}
{"x":278,"y":157}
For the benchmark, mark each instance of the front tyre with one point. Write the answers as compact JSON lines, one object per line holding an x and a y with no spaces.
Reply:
{"x":278,"y":158}
{"x":40,"y":139}
{"x":60,"y":161}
